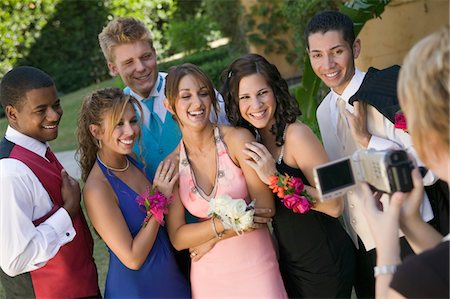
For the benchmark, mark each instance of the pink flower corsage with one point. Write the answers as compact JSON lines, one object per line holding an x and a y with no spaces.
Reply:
{"x":400,"y":121}
{"x":291,"y":191}
{"x":154,"y":204}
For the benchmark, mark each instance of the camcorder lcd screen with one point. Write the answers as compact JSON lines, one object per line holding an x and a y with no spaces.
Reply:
{"x":335,"y":176}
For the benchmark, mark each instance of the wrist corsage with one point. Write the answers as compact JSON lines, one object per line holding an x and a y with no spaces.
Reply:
{"x":292,"y":193}
{"x":234,"y":213}
{"x":400,"y":121}
{"x":154,"y":204}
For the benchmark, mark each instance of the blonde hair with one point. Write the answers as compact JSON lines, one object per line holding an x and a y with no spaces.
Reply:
{"x":122,"y":31}
{"x":423,"y":90}
{"x":93,"y":111}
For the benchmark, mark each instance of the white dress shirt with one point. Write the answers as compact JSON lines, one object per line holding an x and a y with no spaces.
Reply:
{"x":160,"y":109}
{"x":383,"y":136}
{"x":23,"y":246}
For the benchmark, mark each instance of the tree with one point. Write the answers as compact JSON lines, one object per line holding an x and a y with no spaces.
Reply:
{"x":67,"y":48}
{"x":20,"y":25}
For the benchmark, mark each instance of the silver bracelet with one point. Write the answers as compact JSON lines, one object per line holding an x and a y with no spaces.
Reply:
{"x":218,"y":236}
{"x":385,"y":269}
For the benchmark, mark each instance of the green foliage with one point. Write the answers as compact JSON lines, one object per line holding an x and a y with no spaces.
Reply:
{"x":185,"y":9}
{"x":155,"y":14}
{"x":189,"y":35}
{"x":267,"y":24}
{"x":20,"y":26}
{"x":225,"y":15}
{"x":191,"y":28}
{"x":212,"y":61}
{"x":360,"y":11}
{"x":215,"y":68}
{"x":297,"y":13}
{"x":67,"y":48}
{"x":306,"y":94}
{"x":60,"y":36}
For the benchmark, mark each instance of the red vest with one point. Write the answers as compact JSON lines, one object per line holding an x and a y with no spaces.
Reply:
{"x":72,"y":272}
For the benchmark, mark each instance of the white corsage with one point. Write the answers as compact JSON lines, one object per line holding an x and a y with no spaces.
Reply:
{"x":234,"y":213}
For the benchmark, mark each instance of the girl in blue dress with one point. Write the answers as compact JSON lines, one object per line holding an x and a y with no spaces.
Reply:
{"x":141,"y":263}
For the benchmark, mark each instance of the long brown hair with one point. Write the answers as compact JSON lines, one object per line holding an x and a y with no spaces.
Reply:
{"x":178,"y":72}
{"x":93,"y":111}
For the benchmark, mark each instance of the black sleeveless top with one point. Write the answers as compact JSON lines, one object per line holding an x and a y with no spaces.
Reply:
{"x":316,"y":254}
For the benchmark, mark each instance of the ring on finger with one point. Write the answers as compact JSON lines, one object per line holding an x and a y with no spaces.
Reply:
{"x":257,"y":158}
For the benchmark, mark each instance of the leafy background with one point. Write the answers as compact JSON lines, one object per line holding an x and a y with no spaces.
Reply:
{"x":60,"y":37}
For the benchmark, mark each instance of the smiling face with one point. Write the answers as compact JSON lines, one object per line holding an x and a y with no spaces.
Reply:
{"x":257,"y":102}
{"x":136,"y":64}
{"x":193,"y":104}
{"x":38,"y":115}
{"x":332,"y":58}
{"x":120,"y":137}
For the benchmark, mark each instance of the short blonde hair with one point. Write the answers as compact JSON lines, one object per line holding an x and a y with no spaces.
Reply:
{"x":122,"y":31}
{"x":423,"y":90}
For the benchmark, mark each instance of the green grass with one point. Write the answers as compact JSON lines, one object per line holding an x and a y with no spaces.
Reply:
{"x":71,"y":104}
{"x":67,"y":141}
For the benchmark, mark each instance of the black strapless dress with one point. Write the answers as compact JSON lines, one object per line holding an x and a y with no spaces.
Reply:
{"x":316,"y":254}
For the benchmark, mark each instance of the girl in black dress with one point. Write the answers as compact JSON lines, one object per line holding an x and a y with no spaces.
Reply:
{"x":316,"y":255}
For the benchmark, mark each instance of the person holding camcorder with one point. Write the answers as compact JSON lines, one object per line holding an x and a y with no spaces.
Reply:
{"x":347,"y":126}
{"x":386,"y":171}
{"x":423,"y":90}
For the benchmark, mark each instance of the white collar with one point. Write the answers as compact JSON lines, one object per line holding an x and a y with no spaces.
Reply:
{"x":352,"y":86}
{"x":446,"y":238}
{"x":155,"y":92}
{"x":26,"y":141}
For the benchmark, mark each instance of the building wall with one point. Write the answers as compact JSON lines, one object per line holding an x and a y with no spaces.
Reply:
{"x":287,"y":70}
{"x":386,"y":41}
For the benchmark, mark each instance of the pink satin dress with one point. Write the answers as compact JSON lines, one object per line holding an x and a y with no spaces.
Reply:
{"x":244,"y":266}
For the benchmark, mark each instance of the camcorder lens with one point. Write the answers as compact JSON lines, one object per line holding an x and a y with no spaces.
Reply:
{"x":399,"y":172}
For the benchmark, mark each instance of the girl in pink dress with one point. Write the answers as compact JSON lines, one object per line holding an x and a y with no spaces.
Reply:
{"x":211,"y":163}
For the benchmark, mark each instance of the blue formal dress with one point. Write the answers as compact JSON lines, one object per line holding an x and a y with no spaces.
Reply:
{"x":159,"y":276}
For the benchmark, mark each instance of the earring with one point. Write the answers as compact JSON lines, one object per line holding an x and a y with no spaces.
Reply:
{"x":99,"y":143}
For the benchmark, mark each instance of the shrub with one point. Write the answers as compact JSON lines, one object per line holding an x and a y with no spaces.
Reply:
{"x":189,"y":35}
{"x":68,"y":49}
{"x":212,"y":61}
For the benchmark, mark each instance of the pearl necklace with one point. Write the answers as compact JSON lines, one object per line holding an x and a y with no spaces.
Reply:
{"x":112,"y":168}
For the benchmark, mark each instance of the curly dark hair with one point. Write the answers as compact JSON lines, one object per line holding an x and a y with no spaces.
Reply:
{"x":286,"y":111}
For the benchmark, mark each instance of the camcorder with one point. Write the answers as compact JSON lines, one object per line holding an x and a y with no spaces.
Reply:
{"x":388,"y":171}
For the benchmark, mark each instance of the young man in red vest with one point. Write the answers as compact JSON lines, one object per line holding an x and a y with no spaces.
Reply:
{"x":45,"y":244}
